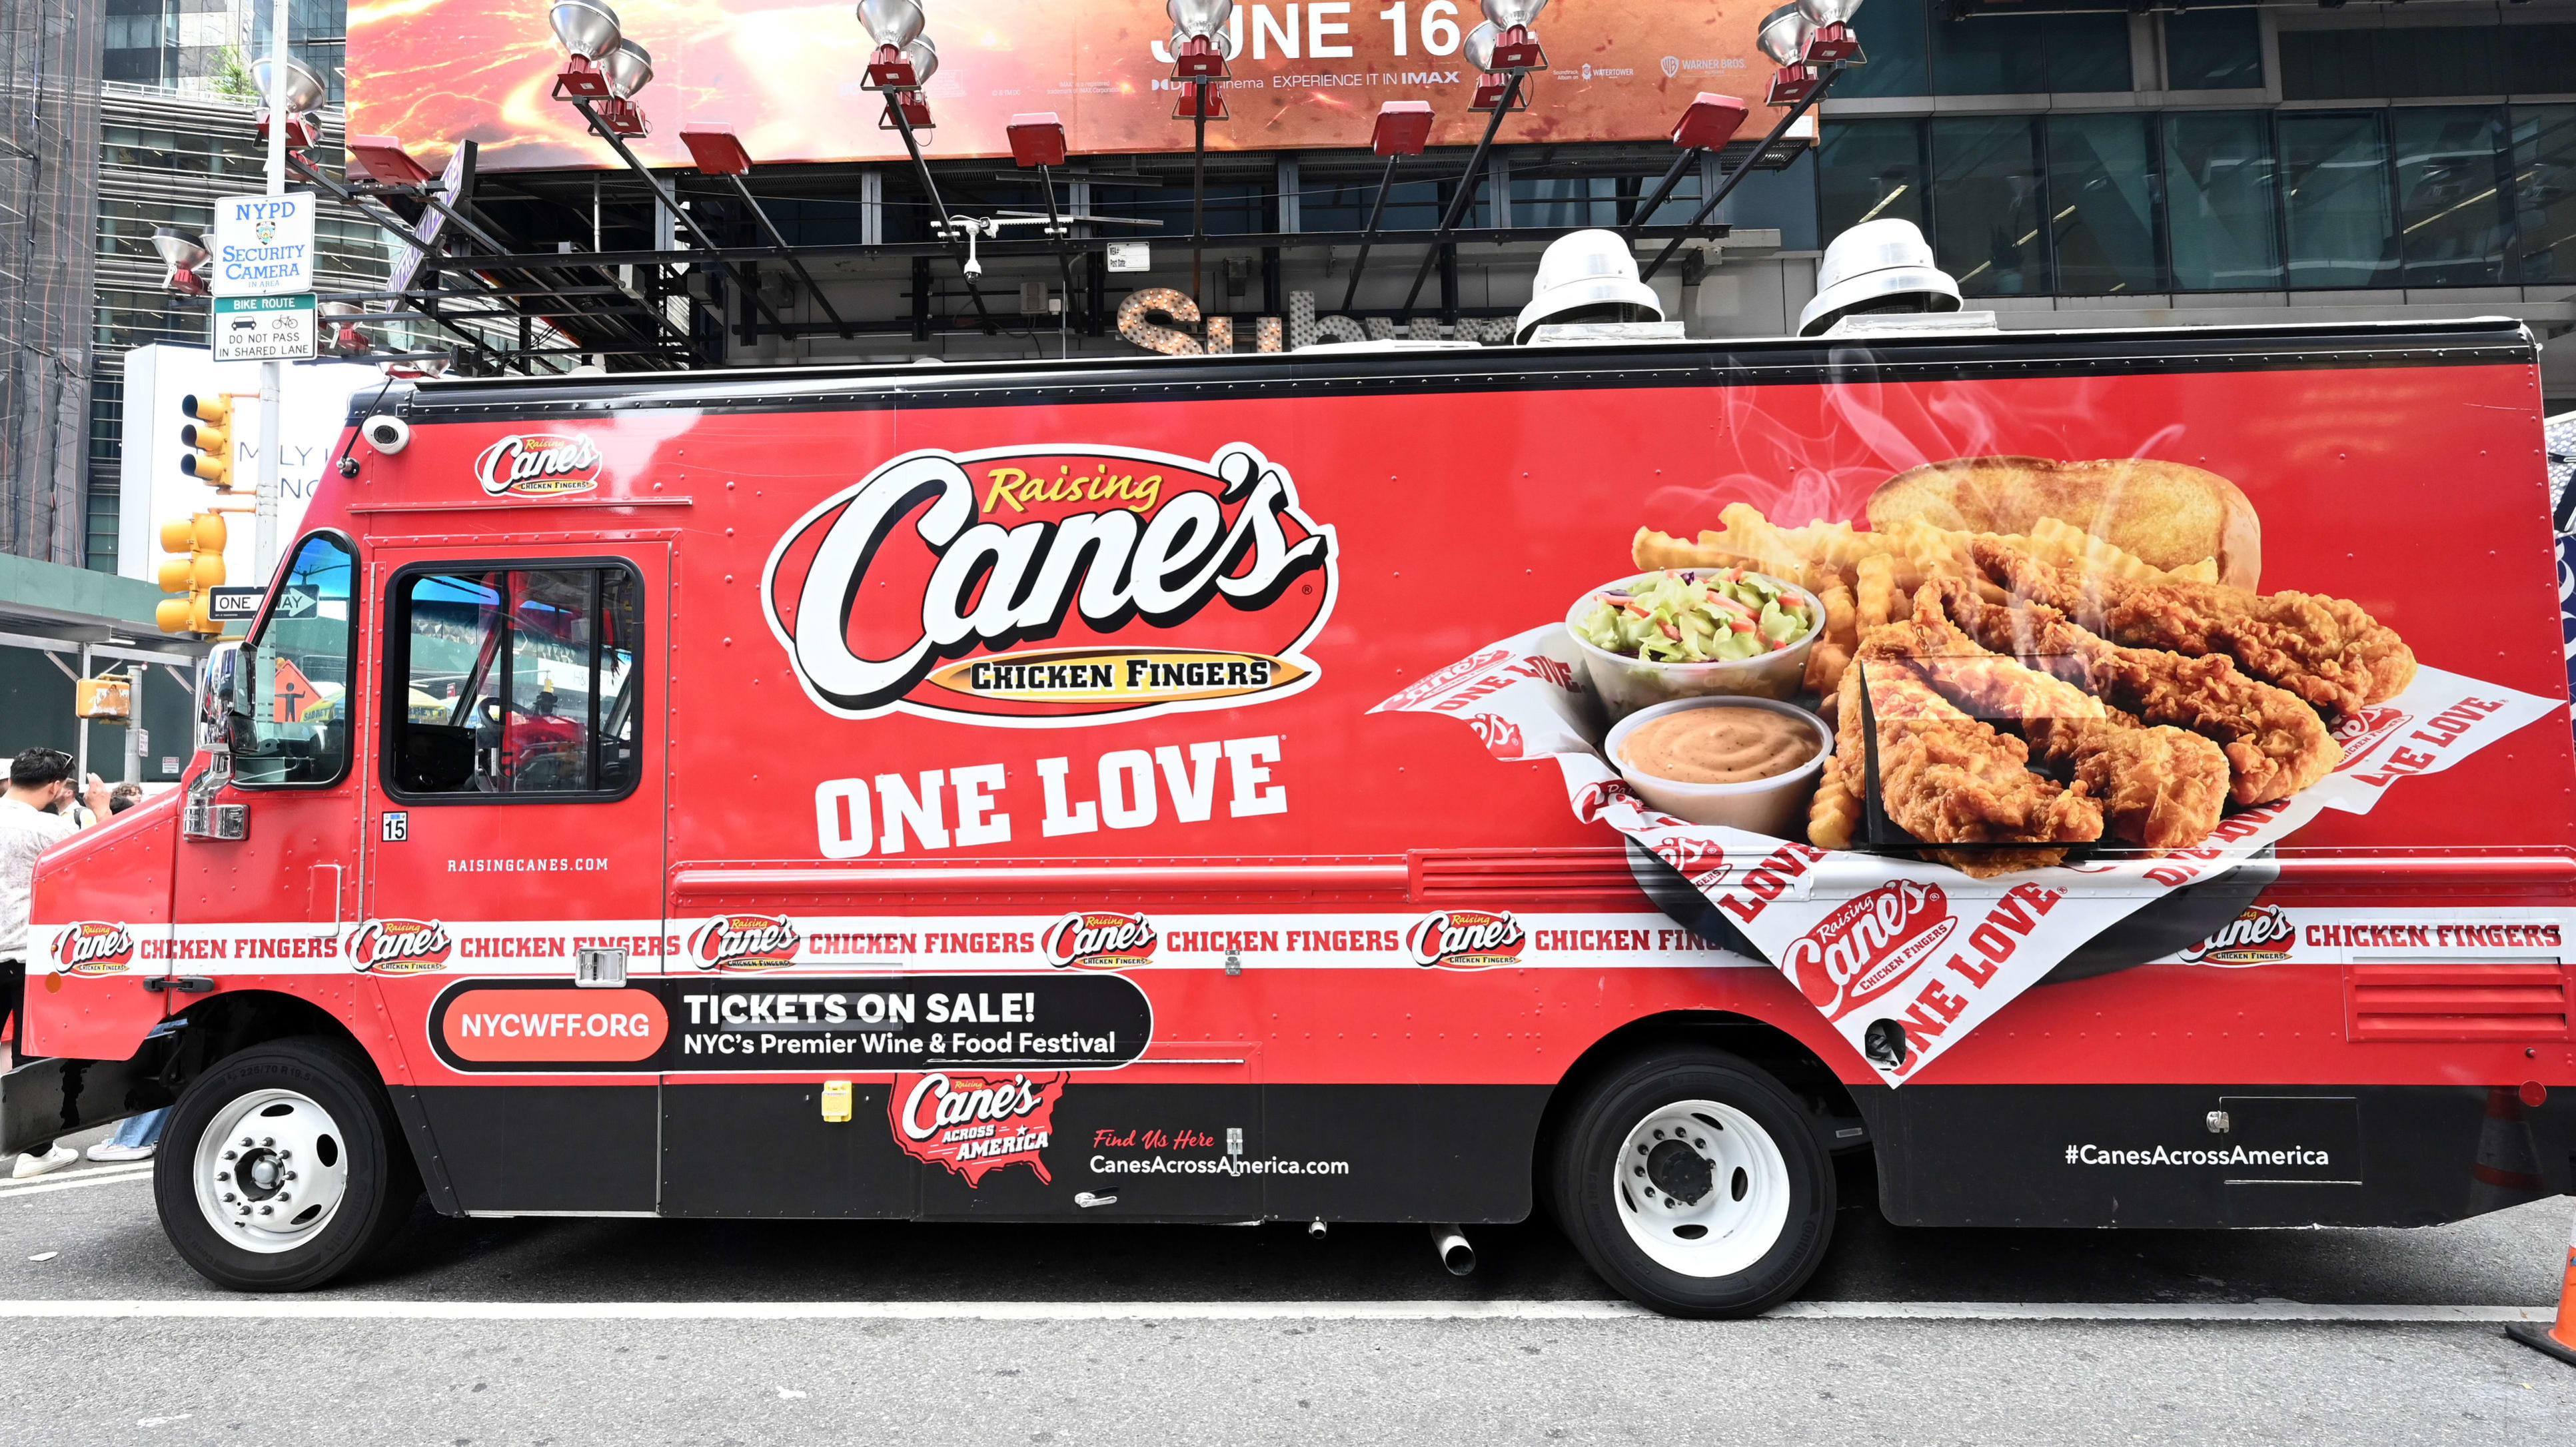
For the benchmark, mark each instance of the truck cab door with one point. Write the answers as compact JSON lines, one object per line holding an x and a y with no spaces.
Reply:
{"x":515,"y":828}
{"x":265,"y":880}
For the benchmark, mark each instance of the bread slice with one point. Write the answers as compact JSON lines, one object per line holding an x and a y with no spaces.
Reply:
{"x":2169,"y":514}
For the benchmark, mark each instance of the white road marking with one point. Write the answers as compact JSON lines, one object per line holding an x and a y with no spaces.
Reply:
{"x":312,"y":1309}
{"x":104,"y":1176}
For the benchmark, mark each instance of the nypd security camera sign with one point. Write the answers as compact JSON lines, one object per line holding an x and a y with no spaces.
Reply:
{"x":263,"y":245}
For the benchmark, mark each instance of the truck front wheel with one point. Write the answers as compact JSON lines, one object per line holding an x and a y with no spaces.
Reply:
{"x":280,"y":1168}
{"x":1692,"y":1182}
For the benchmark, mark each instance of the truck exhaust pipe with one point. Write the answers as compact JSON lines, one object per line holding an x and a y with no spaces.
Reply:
{"x":1451,"y":1245}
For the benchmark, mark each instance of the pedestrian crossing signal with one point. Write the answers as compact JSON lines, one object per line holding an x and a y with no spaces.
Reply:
{"x":195,"y":569}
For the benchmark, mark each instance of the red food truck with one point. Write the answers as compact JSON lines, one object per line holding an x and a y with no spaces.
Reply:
{"x":2114,"y":778}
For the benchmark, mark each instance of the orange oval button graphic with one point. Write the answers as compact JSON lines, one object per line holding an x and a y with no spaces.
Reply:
{"x":555,"y":1025}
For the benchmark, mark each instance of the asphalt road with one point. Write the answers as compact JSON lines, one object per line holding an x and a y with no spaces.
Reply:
{"x":475,"y":1332}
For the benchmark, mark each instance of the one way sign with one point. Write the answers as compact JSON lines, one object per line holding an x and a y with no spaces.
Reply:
{"x":242,"y":604}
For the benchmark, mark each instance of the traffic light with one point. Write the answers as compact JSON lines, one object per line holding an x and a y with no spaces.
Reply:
{"x":209,"y":436}
{"x":197,"y":566}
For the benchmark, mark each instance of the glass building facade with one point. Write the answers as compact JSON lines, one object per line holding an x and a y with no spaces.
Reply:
{"x":2251,"y":153}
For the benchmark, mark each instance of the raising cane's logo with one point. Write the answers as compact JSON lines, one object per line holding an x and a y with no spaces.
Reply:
{"x":745,"y":942}
{"x":1697,"y":860}
{"x":1868,"y":946}
{"x":90,"y":947}
{"x":1465,"y":939}
{"x":1099,"y":940}
{"x":976,"y":1124}
{"x":1594,"y":799}
{"x":538,"y":465}
{"x":1035,"y":586}
{"x":1500,"y":736}
{"x":1421,"y":689}
{"x":2365,"y":729}
{"x":2262,"y":935}
{"x":400,"y":946}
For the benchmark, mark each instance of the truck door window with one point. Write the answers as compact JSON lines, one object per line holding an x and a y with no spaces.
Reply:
{"x":291,"y":725}
{"x":515,"y":683}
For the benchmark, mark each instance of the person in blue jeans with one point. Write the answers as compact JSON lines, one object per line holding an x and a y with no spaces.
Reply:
{"x":137,"y":1136}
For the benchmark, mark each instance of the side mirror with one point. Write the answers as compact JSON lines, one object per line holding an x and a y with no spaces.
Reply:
{"x":217,"y":687}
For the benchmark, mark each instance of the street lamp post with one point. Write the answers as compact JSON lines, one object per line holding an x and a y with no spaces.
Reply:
{"x":1201,"y":45}
{"x":1505,"y":54}
{"x":1813,"y":43}
{"x":1403,"y":129}
{"x":272,"y":374}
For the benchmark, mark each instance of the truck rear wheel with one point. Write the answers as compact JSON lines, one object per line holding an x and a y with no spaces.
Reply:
{"x":281,"y":1168}
{"x":1692,"y":1182}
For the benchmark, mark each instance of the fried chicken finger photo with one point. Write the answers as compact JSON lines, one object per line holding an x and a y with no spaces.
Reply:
{"x":2328,"y":651}
{"x":2161,"y":788}
{"x":1946,"y":778}
{"x":2275,"y":744}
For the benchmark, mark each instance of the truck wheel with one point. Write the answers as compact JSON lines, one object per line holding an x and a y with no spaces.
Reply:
{"x":1691,"y":1181}
{"x":280,"y":1168}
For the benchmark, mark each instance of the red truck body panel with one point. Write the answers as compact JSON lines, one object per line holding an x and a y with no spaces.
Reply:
{"x":1184,"y":920}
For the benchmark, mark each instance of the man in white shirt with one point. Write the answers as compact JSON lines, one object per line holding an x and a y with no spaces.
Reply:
{"x":33,"y":818}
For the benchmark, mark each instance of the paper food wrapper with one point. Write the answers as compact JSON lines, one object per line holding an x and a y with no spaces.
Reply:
{"x":1870,"y":939}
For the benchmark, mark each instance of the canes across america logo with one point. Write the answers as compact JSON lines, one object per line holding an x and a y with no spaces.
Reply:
{"x":1053,"y":585}
{"x":93,"y":947}
{"x":976,"y":1124}
{"x":400,"y":946}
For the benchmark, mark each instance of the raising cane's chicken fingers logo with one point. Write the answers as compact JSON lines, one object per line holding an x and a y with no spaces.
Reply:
{"x":1465,"y":939}
{"x":2262,"y":935}
{"x":1029,"y":586}
{"x":1867,"y":947}
{"x":538,"y":465}
{"x":92,"y":947}
{"x":976,"y":1124}
{"x":1099,"y":940}
{"x":399,"y":946}
{"x":745,"y":942}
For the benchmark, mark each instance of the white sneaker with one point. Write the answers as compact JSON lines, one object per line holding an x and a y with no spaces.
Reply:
{"x":111,"y":1151}
{"x":52,"y":1160}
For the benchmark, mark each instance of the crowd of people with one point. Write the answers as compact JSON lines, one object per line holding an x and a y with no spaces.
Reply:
{"x":44,"y":805}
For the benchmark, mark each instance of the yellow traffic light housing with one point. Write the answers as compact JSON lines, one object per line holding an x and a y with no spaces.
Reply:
{"x":198,"y":567}
{"x":185,"y":615}
{"x":209,"y":435}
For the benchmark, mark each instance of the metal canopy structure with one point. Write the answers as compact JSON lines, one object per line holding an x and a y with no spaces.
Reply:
{"x":648,"y":269}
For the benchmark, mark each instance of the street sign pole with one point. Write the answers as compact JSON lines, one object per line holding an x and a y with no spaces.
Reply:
{"x":272,"y":375}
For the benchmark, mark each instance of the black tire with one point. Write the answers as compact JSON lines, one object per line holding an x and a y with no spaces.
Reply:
{"x":382,"y":1181}
{"x":1587,"y":1187}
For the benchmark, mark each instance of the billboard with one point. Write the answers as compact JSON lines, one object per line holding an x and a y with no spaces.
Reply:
{"x":788,"y":77}
{"x":153,"y":491}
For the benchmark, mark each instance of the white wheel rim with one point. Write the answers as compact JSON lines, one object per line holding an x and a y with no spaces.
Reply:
{"x":271,"y":1170}
{"x":1702,"y":1189}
